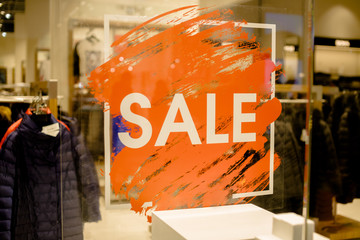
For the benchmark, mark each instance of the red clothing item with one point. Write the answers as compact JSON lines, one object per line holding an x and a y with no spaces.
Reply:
{"x":16,"y":124}
{"x":12,"y":128}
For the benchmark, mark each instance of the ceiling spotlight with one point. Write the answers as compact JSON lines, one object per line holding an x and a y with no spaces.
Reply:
{"x":2,"y":12}
{"x":289,"y":48}
{"x":1,"y":4}
{"x":8,"y":15}
{"x":4,"y":34}
{"x":342,"y":43}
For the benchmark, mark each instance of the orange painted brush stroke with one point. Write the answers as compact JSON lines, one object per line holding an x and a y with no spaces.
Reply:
{"x":187,"y":59}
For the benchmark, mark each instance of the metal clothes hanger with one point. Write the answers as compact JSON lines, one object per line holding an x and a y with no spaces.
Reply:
{"x":38,"y":106}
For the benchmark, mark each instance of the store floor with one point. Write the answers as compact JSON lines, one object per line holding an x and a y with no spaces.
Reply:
{"x":346,"y":224}
{"x":350,"y":210}
{"x":123,"y":224}
{"x":118,"y":224}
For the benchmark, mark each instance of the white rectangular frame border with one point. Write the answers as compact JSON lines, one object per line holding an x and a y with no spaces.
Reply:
{"x":107,"y":117}
{"x":272,"y":28}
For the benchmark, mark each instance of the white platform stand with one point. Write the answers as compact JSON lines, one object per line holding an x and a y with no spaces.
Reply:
{"x":235,"y":222}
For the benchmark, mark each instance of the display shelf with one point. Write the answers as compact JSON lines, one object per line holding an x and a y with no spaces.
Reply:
{"x":245,"y":221}
{"x":317,"y":89}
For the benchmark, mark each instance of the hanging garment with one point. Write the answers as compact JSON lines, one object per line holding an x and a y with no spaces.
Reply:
{"x":88,"y":55}
{"x":325,"y":180}
{"x":345,"y":129}
{"x":349,"y":150}
{"x":288,"y":177}
{"x":48,"y":184}
{"x":91,"y":119}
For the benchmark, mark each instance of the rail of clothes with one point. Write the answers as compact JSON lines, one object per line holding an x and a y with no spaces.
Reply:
{"x":48,"y":181}
{"x":288,"y":183}
{"x":87,"y":120}
{"x":342,"y":82}
{"x":335,"y":157}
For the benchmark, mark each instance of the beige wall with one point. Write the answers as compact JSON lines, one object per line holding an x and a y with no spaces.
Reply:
{"x":31,"y":33}
{"x":7,"y":57}
{"x":337,"y":18}
{"x":337,"y":61}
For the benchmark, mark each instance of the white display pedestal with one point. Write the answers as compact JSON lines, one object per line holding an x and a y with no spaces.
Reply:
{"x":235,"y":222}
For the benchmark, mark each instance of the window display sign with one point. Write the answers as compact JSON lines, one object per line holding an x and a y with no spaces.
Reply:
{"x":191,"y":99}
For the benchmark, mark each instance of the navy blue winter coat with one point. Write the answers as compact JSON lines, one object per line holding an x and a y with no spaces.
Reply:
{"x":48,"y":185}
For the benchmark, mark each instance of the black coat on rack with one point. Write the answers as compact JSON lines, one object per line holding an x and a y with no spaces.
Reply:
{"x":345,"y":128}
{"x":49,"y":184}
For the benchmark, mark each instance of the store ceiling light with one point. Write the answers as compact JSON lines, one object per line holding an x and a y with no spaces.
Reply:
{"x":342,"y":43}
{"x":1,"y":4}
{"x":8,"y":15}
{"x":2,"y":12}
{"x":4,"y":34}
{"x":289,"y":48}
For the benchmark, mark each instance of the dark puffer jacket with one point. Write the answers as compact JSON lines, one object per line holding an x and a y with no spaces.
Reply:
{"x":288,"y":177}
{"x":325,"y":172}
{"x":345,"y":128}
{"x":48,"y":185}
{"x":349,"y":154}
{"x":325,"y":179}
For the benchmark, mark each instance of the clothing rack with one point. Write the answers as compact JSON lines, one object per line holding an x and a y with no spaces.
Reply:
{"x":51,"y":99}
{"x":18,"y":99}
{"x":25,"y":87}
{"x":340,"y":227}
{"x":298,"y":101}
{"x":318,"y":90}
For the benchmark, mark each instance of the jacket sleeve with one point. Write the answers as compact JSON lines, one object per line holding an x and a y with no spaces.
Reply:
{"x":332,"y":168}
{"x":89,"y":184}
{"x":7,"y":182}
